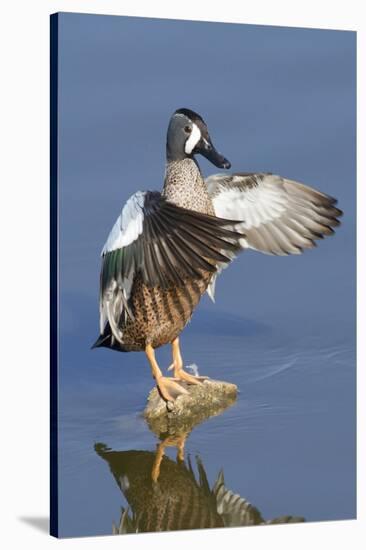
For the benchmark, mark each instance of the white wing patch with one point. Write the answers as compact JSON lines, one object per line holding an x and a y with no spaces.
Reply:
{"x":278,"y":216}
{"x":256,"y":206}
{"x":128,"y":227}
{"x":193,"y":139}
{"x":129,"y":224}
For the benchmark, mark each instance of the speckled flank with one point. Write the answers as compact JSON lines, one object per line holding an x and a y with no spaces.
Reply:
{"x":160,"y":315}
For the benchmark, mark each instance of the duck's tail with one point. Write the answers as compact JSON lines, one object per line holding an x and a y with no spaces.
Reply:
{"x":107,"y":340}
{"x":104,"y":340}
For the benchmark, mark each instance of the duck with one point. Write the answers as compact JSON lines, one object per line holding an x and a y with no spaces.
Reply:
{"x":179,"y":498}
{"x":167,"y":248}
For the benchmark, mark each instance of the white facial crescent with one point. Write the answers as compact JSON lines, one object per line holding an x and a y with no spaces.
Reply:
{"x":193,"y":139}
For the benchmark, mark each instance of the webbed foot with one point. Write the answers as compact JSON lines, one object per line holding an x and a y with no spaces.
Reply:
{"x":181,"y":374}
{"x":169,"y":389}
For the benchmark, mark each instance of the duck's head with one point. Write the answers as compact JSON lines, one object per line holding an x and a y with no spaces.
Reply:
{"x":188,"y":136}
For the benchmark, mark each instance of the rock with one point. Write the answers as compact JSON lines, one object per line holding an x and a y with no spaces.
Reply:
{"x":203,"y":400}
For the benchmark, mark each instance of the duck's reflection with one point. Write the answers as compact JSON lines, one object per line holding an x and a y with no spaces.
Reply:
{"x":165,"y":494}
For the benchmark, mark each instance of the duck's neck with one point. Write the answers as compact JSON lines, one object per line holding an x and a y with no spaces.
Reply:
{"x":184,"y":185}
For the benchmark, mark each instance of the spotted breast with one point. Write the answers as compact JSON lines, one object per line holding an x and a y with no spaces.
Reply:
{"x":161,"y":314}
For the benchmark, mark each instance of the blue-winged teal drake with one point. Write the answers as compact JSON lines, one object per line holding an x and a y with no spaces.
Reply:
{"x":167,"y":248}
{"x":166,"y":495}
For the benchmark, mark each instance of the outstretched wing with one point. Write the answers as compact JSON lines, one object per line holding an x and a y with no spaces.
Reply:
{"x":279,"y":216}
{"x":163,"y":243}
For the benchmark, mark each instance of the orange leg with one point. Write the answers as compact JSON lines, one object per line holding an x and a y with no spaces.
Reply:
{"x":168,"y":388}
{"x":177,"y":366}
{"x":171,"y":441}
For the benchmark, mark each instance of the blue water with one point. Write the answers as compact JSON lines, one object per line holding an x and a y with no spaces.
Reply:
{"x":282,"y":329}
{"x":287,"y":445}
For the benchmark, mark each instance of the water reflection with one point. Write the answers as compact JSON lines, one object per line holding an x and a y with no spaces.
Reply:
{"x":165,"y":494}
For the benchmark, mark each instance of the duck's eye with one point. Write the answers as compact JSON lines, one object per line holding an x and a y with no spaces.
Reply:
{"x":187,"y":129}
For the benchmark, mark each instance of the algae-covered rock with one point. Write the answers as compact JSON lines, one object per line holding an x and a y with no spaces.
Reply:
{"x":209,"y":398}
